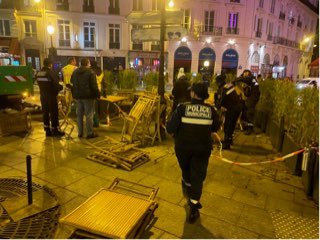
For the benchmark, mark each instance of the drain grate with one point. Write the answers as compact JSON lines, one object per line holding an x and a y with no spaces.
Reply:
{"x":290,"y":226}
{"x":42,"y":225}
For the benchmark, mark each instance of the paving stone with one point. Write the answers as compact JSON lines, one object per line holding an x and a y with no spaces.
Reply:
{"x":310,"y":211}
{"x":166,"y":235}
{"x":300,"y":197}
{"x":62,"y":176}
{"x":64,"y":195}
{"x":111,"y":173}
{"x":153,"y":233}
{"x":72,"y":205}
{"x":38,"y":165}
{"x":64,"y":232}
{"x":275,"y":203}
{"x":4,"y":168}
{"x":170,"y":191}
{"x":275,"y":189}
{"x":13,"y":157}
{"x":151,"y":181}
{"x":257,"y":220}
{"x":171,"y":218}
{"x":219,"y":188}
{"x":84,"y":165}
{"x":287,"y":178}
{"x":223,"y":230}
{"x":228,"y":177}
{"x":220,"y":207}
{"x":89,"y":185}
{"x":13,"y":173}
{"x":250,"y":197}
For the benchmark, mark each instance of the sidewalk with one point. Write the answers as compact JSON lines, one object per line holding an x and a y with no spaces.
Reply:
{"x":258,"y":201}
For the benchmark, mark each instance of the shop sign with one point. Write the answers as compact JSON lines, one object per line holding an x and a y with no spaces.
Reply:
{"x":230,"y":59}
{"x":137,"y":54}
{"x":153,"y":34}
{"x":183,"y":53}
{"x":254,"y":69}
{"x":207,"y":54}
{"x":173,"y":17}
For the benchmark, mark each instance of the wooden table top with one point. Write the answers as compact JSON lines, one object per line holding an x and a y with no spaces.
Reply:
{"x":113,"y":98}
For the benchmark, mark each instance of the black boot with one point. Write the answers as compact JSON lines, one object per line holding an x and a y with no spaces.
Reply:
{"x":193,"y":212}
{"x":57,"y":133}
{"x":48,"y":132}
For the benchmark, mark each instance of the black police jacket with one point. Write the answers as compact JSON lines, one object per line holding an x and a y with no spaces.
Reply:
{"x":48,"y":82}
{"x":84,"y":84}
{"x":192,"y":124}
{"x":227,"y":97}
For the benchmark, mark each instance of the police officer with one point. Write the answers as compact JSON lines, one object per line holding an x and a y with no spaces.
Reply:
{"x":192,"y":125}
{"x":229,"y":101}
{"x":180,"y":91}
{"x":252,"y":94}
{"x":49,"y":88}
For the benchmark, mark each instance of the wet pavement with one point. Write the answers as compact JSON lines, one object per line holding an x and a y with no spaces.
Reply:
{"x":255,"y":201}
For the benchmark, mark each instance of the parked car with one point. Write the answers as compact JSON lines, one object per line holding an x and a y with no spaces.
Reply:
{"x":307,"y":82}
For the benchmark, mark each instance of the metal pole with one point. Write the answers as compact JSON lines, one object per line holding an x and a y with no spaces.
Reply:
{"x":29,"y":180}
{"x":162,"y":39}
{"x":51,"y":41}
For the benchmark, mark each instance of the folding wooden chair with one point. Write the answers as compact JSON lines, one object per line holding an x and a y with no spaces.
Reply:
{"x":64,"y":105}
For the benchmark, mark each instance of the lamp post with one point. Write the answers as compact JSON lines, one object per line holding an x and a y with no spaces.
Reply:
{"x":50,"y":30}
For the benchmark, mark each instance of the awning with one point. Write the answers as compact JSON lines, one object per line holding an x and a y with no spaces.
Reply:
{"x":153,"y":34}
{"x":31,"y":43}
{"x":315,"y":63}
{"x":154,"y":17}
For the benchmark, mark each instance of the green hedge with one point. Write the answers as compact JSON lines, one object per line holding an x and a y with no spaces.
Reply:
{"x":300,"y":109}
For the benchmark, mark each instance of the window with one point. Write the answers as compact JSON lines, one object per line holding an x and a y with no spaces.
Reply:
{"x":89,"y":34}
{"x":233,"y":20}
{"x":114,"y":36}
{"x":30,"y":28}
{"x":155,"y":5}
{"x":235,"y":1}
{"x":27,"y":3}
{"x":261,"y":2}
{"x":259,"y":28}
{"x":273,"y":4}
{"x":4,"y":27}
{"x":64,"y":33}
{"x":208,"y":21}
{"x":62,"y":5}
{"x":155,"y":46}
{"x":137,"y":5}
{"x":114,"y":7}
{"x":186,"y":18}
{"x":88,"y":6}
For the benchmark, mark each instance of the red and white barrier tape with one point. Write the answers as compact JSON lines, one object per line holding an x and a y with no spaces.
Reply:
{"x":278,"y":159}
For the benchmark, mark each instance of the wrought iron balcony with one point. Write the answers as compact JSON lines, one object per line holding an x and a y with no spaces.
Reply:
{"x":114,"y":45}
{"x":88,"y":8}
{"x":233,"y":31}
{"x":211,"y":30}
{"x":285,"y":42}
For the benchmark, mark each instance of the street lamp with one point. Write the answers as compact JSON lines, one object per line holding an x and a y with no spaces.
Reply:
{"x":50,"y":30}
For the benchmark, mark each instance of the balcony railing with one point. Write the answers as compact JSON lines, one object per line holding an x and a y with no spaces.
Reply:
{"x":285,"y":42}
{"x":258,"y":34}
{"x":232,"y":31}
{"x":282,"y":16}
{"x":64,"y":42}
{"x":88,"y":8}
{"x":137,"y":46}
{"x":114,"y":11}
{"x":62,"y":7}
{"x":211,"y":30}
{"x":114,"y":45}
{"x":235,"y":1}
{"x":269,"y":38}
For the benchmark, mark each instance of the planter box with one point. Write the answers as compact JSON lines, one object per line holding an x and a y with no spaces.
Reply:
{"x":276,"y":133}
{"x":315,"y":194}
{"x":261,"y":119}
{"x":293,"y":163}
{"x":308,"y":175}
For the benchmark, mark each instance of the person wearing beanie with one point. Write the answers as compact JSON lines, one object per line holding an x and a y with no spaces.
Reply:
{"x":180,"y":92}
{"x":192,"y":125}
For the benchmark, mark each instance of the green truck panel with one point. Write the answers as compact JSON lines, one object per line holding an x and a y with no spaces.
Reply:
{"x":16,"y":80}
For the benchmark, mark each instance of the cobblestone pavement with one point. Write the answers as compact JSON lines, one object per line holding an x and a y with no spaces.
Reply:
{"x":238,"y":201}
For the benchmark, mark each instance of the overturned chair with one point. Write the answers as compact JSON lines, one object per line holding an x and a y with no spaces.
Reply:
{"x":124,"y":210}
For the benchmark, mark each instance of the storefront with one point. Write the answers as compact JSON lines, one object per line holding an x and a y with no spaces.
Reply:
{"x":207,"y":59}
{"x":9,"y":51}
{"x":266,"y":67}
{"x":230,"y":62}
{"x":182,"y":59}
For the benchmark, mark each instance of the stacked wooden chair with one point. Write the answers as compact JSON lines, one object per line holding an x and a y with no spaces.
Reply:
{"x":64,"y":105}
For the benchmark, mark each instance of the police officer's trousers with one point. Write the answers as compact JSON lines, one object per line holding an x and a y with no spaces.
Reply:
{"x":193,"y":164}
{"x":230,"y":122}
{"x":50,"y":112}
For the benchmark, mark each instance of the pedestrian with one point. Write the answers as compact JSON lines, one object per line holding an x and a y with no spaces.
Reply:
{"x":192,"y":125}
{"x":252,"y":94}
{"x":49,"y":86}
{"x":102,"y":86}
{"x":85,"y":91}
{"x":180,"y":73}
{"x":180,"y":91}
{"x":68,"y":70}
{"x":229,"y":102}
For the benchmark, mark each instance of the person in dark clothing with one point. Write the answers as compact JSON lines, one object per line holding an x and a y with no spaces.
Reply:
{"x":85,"y":91}
{"x":252,"y":93}
{"x":192,"y":125}
{"x":49,"y":88}
{"x":229,"y":101}
{"x":180,"y":91}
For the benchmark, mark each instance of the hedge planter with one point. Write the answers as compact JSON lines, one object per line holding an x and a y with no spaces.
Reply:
{"x":293,"y":163}
{"x":276,"y":133}
{"x":261,"y":120}
{"x":315,"y":194}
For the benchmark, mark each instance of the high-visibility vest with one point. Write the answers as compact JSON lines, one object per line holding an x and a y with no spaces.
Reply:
{"x":67,"y":72}
{"x":99,"y":80}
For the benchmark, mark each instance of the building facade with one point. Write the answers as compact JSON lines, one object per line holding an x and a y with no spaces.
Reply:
{"x":269,"y":37}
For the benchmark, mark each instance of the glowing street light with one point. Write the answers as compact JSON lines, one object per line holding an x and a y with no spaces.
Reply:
{"x":37,"y":1}
{"x":171,"y":4}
